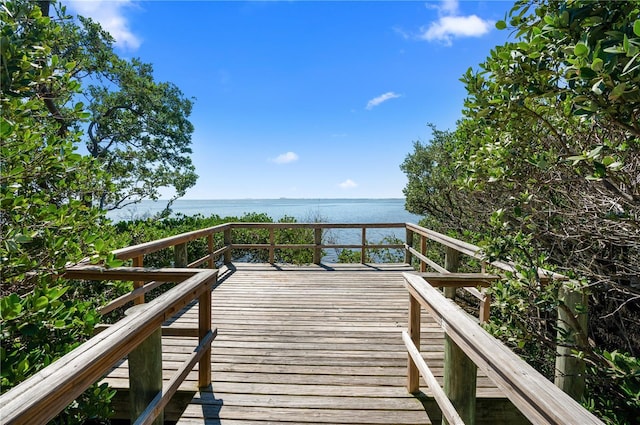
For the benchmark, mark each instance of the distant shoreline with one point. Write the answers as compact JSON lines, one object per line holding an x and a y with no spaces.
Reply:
{"x":278,"y":199}
{"x":365,"y":210}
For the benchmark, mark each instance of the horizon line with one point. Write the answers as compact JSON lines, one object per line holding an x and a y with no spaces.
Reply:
{"x":271,"y":199}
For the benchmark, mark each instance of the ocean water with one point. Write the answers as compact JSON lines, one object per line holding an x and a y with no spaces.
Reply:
{"x":302,"y":210}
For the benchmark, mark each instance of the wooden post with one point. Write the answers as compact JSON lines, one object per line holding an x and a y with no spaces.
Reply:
{"x":363,"y":249}
{"x":460,"y":381}
{"x":204,"y":327}
{"x":211,"y":263}
{"x":451,"y":263}
{"x":413,"y":374}
{"x":180,"y":257}
{"x":138,"y":262}
{"x":272,"y":241}
{"x":408,"y":257}
{"x":423,"y":251}
{"x":485,"y":308}
{"x":317,"y":240}
{"x":227,"y":243}
{"x":570,"y":370}
{"x":460,"y":373}
{"x":145,"y":373}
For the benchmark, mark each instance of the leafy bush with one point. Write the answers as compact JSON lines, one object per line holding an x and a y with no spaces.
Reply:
{"x":615,"y":388}
{"x":374,"y":255}
{"x":544,"y":165}
{"x":139,"y":231}
{"x":42,"y":326}
{"x":524,"y":314}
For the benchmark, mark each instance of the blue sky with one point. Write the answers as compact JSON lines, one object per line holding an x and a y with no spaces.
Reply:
{"x":306,"y":99}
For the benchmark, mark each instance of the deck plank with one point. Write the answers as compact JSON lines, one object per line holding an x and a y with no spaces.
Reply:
{"x":306,"y":344}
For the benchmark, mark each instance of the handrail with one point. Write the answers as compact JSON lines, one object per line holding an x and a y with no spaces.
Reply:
{"x":154,"y":246}
{"x":41,"y":397}
{"x":536,"y":397}
{"x":571,"y":320}
{"x":467,"y":249}
{"x":137,"y":251}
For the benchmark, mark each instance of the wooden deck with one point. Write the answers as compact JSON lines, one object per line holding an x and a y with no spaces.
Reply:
{"x":309,"y":344}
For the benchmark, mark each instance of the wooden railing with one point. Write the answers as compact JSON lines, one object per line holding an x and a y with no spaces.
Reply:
{"x":569,"y":368}
{"x":453,"y":248}
{"x":45,"y":394}
{"x":572,"y":316}
{"x":42,"y":396}
{"x":536,"y":397}
{"x":178,"y":242}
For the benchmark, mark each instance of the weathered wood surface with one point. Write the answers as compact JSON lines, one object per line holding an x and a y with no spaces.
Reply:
{"x":312,"y":344}
{"x":39,"y":398}
{"x":534,"y":395}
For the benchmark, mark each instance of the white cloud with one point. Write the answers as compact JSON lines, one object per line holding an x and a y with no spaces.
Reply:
{"x":348,"y":184}
{"x":110,"y":14}
{"x":451,"y":24}
{"x":449,"y":27}
{"x":285,"y":158}
{"x":382,"y":98}
{"x":449,"y":7}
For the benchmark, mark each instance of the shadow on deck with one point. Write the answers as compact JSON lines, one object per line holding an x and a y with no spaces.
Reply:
{"x":309,"y":344}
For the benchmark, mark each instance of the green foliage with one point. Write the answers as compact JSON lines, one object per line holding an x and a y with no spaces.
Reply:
{"x":524,"y":315}
{"x":138,"y":129}
{"x":44,"y":215}
{"x":293,"y":236}
{"x":569,"y":86}
{"x":349,"y":256}
{"x":523,"y":309}
{"x":556,"y":158}
{"x":139,"y":133}
{"x":39,"y":327}
{"x":374,"y":255}
{"x":615,"y":394}
{"x":139,"y":231}
{"x":544,"y":166}
{"x":92,"y":407}
{"x":46,"y":218}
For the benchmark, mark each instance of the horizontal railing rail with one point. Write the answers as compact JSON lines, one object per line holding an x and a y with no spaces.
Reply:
{"x":460,"y":247}
{"x":571,"y":314}
{"x":215,"y":251}
{"x":537,"y":398}
{"x":137,"y":252}
{"x":45,"y":394}
{"x":40,"y":397}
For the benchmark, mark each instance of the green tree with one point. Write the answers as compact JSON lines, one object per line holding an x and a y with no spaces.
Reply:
{"x":551,"y":120}
{"x":545,"y":164}
{"x":430,"y":170}
{"x":46,"y":222}
{"x":45,"y":219}
{"x":138,"y":129}
{"x":140,"y":134}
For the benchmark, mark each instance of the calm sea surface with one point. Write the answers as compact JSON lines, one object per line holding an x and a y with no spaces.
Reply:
{"x":303,"y":210}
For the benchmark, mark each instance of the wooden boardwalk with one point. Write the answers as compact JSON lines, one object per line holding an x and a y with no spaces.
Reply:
{"x":308,"y":344}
